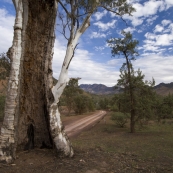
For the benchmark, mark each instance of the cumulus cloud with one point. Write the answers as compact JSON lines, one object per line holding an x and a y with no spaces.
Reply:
{"x":100,"y":15}
{"x":99,"y":48}
{"x":165,"y":22}
{"x":129,"y":29}
{"x":84,"y":66}
{"x":151,"y":19}
{"x":151,"y":63}
{"x":160,"y":38}
{"x":97,"y":35}
{"x":105,"y":26}
{"x":147,"y":10}
{"x":158,"y":28}
{"x":169,"y":3}
{"x":84,"y":63}
{"x":6,"y":30}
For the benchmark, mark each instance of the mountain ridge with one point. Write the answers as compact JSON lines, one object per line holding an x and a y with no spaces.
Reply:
{"x":101,"y":89}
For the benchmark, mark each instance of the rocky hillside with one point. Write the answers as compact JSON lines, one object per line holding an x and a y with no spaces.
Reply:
{"x":99,"y":89}
{"x":164,"y":89}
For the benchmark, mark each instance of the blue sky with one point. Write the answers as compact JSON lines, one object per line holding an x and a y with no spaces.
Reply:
{"x":151,"y":25}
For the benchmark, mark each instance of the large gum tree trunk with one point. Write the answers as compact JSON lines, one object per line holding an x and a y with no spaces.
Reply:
{"x":29,"y":111}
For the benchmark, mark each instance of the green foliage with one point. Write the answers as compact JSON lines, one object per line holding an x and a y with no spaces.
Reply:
{"x":119,"y":118}
{"x":83,"y":103}
{"x":75,"y":99}
{"x":137,"y":95}
{"x":2,"y":105}
{"x":70,"y":92}
{"x":143,"y":94}
{"x":104,"y":103}
{"x":4,"y":66}
{"x":83,"y":7}
{"x":114,"y":107}
{"x":164,"y":107}
{"x":124,"y":46}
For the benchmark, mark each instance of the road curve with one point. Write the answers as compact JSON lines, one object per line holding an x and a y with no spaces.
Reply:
{"x":79,"y":125}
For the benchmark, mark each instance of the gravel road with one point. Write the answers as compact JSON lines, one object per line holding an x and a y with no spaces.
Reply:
{"x":81,"y":124}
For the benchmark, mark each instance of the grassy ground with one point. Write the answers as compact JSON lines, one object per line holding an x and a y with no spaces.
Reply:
{"x":149,"y":149}
{"x":106,"y":148}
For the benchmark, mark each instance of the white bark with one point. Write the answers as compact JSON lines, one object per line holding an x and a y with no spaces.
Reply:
{"x":7,"y":130}
{"x":60,"y":138}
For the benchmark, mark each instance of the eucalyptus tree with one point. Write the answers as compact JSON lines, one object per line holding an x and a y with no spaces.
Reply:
{"x":32,"y":101}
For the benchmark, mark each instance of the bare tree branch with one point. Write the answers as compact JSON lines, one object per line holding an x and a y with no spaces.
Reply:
{"x":64,"y":8}
{"x":108,"y":9}
{"x":64,"y":25}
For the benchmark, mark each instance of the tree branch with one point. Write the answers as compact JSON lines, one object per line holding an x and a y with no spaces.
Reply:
{"x":108,"y":9}
{"x":72,"y":56}
{"x":68,"y":14}
{"x":85,"y":22}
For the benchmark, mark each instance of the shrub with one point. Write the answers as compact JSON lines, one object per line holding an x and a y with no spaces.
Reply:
{"x":119,"y":118}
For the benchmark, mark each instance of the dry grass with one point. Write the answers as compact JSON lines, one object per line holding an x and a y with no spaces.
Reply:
{"x":106,"y":149}
{"x":152,"y":146}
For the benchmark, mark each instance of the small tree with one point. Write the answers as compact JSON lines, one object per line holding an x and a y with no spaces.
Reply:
{"x":72,"y":89}
{"x":83,"y":103}
{"x":4,"y":66}
{"x":119,"y":118}
{"x":164,"y":107}
{"x":135,"y":89}
{"x":126,"y":47}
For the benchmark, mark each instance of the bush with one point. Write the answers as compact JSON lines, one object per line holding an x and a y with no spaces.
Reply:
{"x":114,"y":107}
{"x":119,"y":118}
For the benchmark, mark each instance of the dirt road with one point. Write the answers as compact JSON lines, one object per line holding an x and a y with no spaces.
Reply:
{"x":79,"y":125}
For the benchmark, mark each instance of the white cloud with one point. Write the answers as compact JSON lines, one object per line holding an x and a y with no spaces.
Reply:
{"x":99,"y":48}
{"x":165,"y":22}
{"x":151,"y":19}
{"x":158,"y":28}
{"x":84,"y":64}
{"x":105,"y":26}
{"x":100,"y":15}
{"x":137,"y":21}
{"x":6,"y":30}
{"x":156,"y":66}
{"x":129,"y":29}
{"x":150,"y":36}
{"x":164,"y":40}
{"x":97,"y":35}
{"x":84,"y":67}
{"x":145,"y":10}
{"x":169,"y":3}
{"x":155,"y":41}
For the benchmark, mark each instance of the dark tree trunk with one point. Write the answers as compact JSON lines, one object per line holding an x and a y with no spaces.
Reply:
{"x":36,"y":72}
{"x":132,"y":121}
{"x":26,"y":120}
{"x":132,"y":104}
